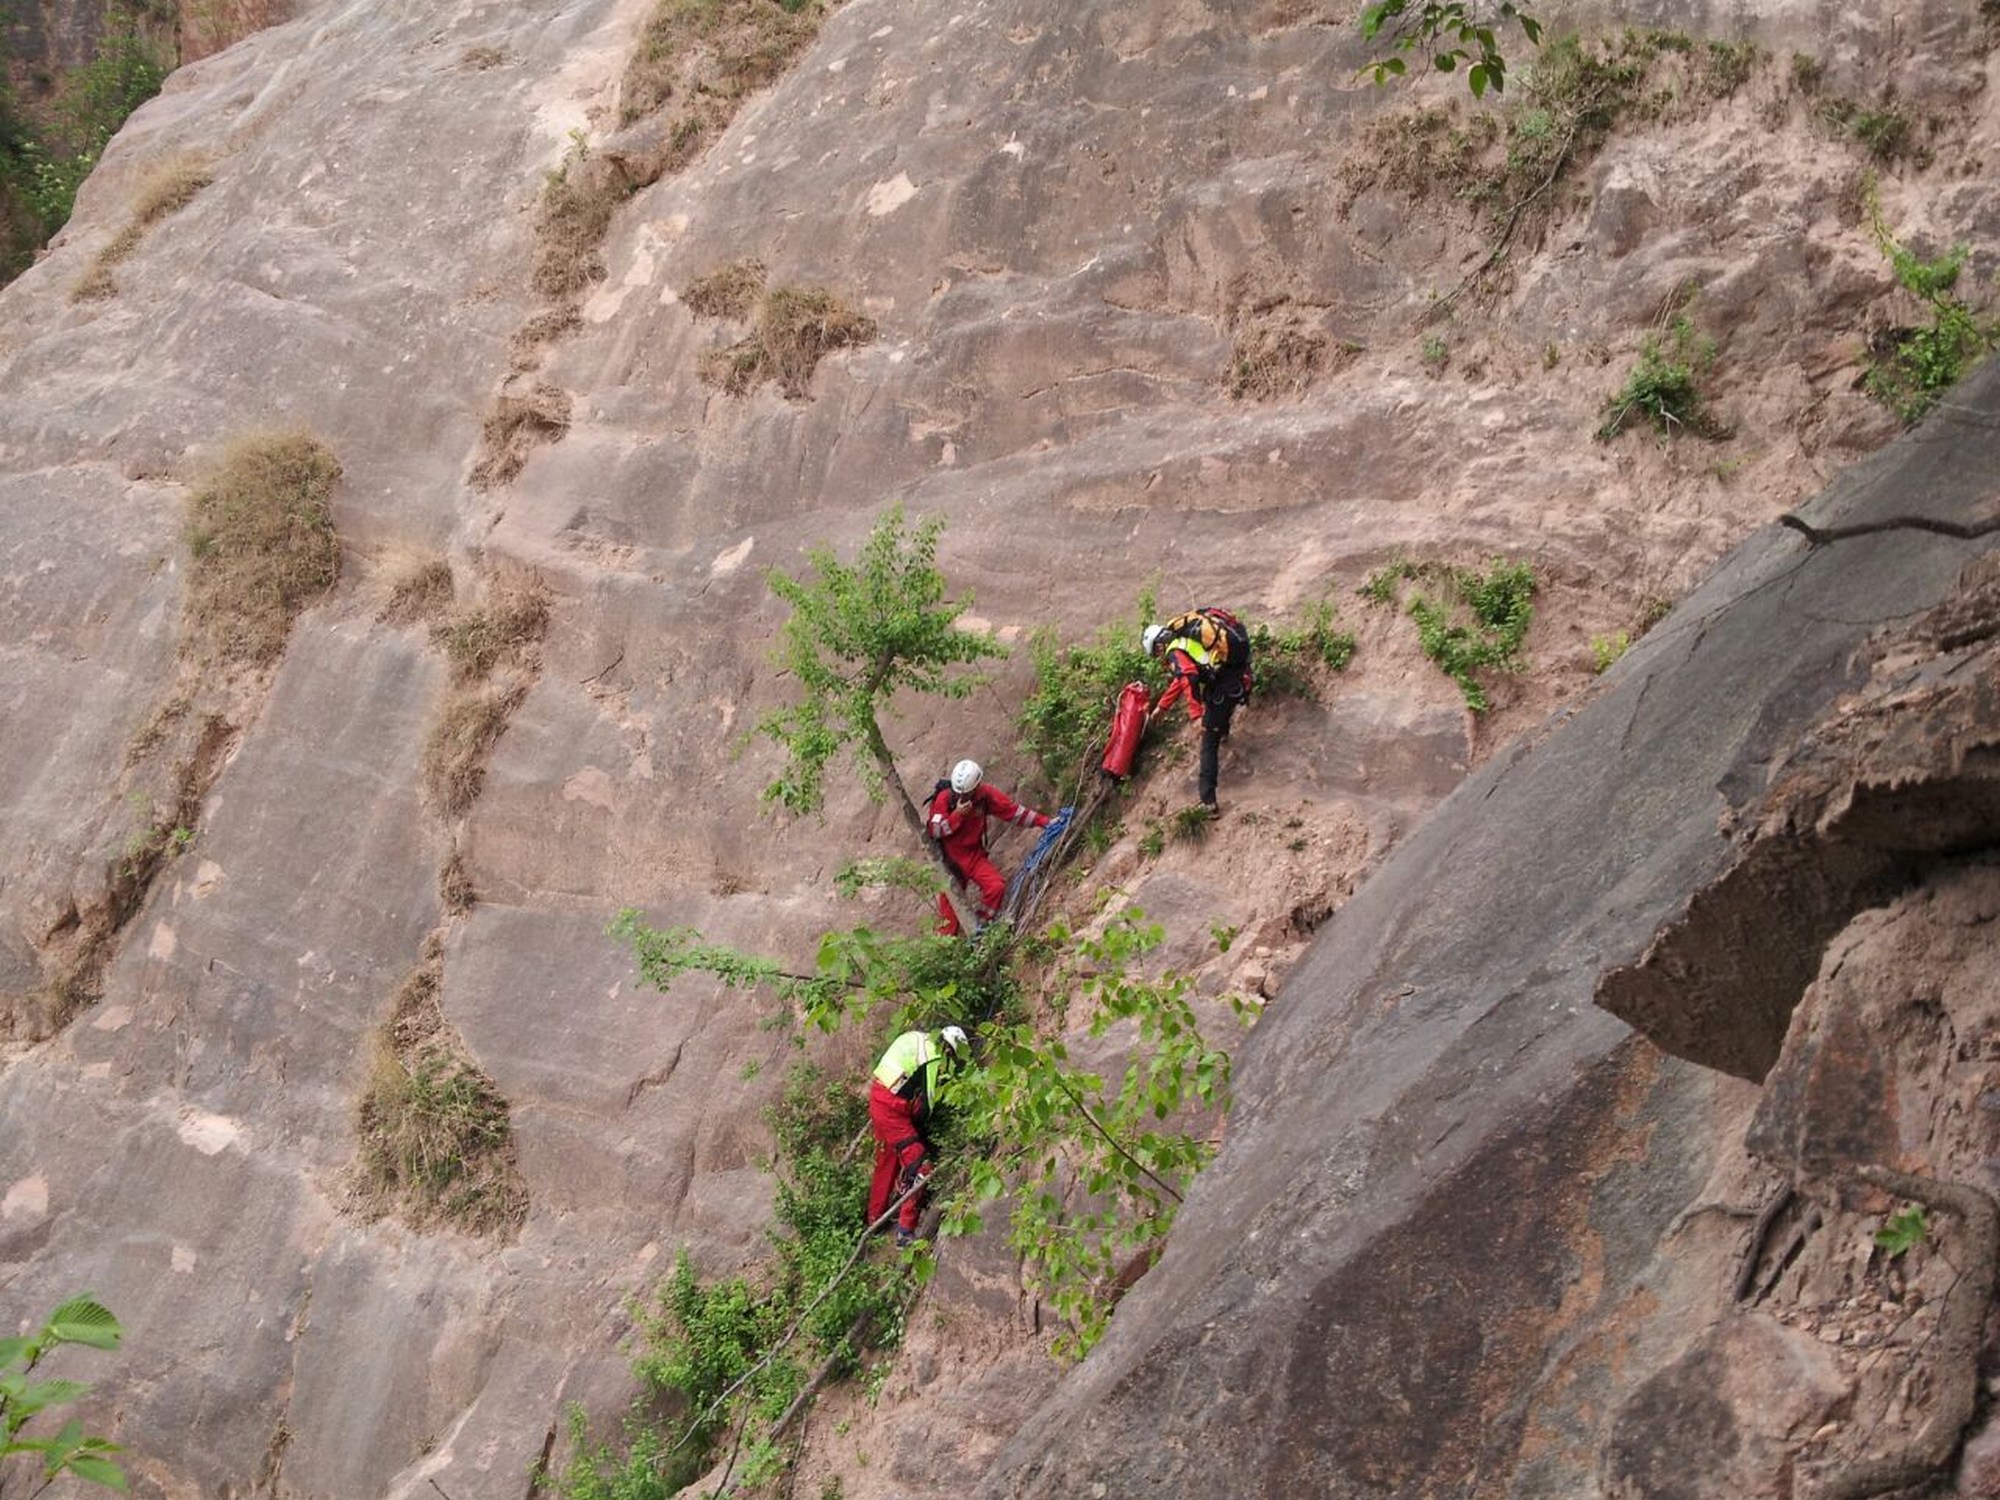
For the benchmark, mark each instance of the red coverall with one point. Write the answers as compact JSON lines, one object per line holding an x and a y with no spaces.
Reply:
{"x":900,"y":1149}
{"x":961,"y":834}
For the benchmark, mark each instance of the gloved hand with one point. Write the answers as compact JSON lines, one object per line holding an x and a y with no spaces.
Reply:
{"x":925,"y":1168}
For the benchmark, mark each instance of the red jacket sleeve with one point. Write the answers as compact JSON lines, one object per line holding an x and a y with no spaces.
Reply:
{"x":999,"y":805}
{"x":1185,"y":674}
{"x":942,"y":822}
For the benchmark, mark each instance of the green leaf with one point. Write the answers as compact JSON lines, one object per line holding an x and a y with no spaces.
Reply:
{"x":1902,"y":1232}
{"x":46,"y":1393}
{"x":1476,"y":78}
{"x":15,"y":1351}
{"x":84,"y":1320}
{"x":99,"y":1471}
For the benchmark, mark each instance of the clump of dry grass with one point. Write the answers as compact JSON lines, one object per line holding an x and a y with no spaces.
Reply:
{"x":420,"y":588}
{"x":479,"y":59}
{"x":796,"y":328}
{"x":455,"y":752}
{"x":436,"y":1139}
{"x":516,"y":426}
{"x":717,"y":50}
{"x":511,"y":620}
{"x":570,"y":225}
{"x":455,"y":889}
{"x":169,"y":187}
{"x":543,"y":329}
{"x":260,"y":534}
{"x":1276,"y":356}
{"x":731,"y":290}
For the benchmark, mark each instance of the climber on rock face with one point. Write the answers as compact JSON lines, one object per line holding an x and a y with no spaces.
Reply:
{"x":900,"y":1097}
{"x":1207,"y":653}
{"x":957,"y":818}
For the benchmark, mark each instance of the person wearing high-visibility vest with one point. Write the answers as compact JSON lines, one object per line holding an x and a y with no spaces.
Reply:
{"x":1207,"y":654}
{"x":900,"y":1096}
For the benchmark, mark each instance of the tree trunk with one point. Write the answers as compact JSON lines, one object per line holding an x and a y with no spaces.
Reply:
{"x":913,"y":815}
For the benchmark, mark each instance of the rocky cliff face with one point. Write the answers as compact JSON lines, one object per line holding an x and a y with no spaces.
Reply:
{"x":1149,"y":298}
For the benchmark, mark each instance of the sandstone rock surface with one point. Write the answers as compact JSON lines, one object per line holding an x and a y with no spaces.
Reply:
{"x":1449,"y":1168}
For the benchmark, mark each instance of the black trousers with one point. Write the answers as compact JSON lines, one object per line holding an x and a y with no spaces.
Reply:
{"x":1215,"y":717}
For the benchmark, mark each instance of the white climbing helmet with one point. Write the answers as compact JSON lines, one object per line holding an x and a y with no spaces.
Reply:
{"x":1152,"y":637}
{"x":965,"y":776}
{"x":953,"y":1038}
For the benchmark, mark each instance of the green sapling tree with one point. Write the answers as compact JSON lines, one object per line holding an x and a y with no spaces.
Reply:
{"x":857,"y":636}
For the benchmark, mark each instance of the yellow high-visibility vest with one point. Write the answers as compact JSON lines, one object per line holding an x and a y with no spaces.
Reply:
{"x":909,"y":1053}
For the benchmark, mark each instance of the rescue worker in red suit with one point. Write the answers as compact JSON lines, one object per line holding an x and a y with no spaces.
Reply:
{"x":1207,"y":653}
{"x":959,"y":811}
{"x":900,"y":1096}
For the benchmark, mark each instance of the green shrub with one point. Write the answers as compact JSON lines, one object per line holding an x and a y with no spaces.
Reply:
{"x":1665,"y":387}
{"x":1292,"y":663}
{"x":701,"y":1339}
{"x":1606,"y":649}
{"x":43,"y":167}
{"x":1470,"y":621}
{"x":1921,"y":363}
{"x":1066,"y":719}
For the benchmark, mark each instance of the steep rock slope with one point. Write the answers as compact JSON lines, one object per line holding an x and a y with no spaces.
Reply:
{"x":1065,"y":225}
{"x":1436,"y":1249}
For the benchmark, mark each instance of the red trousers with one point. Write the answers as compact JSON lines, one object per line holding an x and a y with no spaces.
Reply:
{"x":981,"y":873}
{"x":899,"y":1150}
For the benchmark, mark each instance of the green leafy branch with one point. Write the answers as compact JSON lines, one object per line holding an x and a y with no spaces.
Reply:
{"x":80,"y":1320}
{"x":1449,"y":33}
{"x":1922,"y":363}
{"x":1096,"y":1169}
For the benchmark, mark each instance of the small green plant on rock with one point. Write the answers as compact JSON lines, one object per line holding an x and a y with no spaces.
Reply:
{"x":1917,"y":365}
{"x":1606,"y":649}
{"x":1293,"y":663}
{"x":1903,"y":1232}
{"x":1468,"y":621}
{"x":1664,"y":388}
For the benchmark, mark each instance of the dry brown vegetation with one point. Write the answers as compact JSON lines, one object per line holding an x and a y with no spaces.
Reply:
{"x":570,"y":225}
{"x":1275,"y":355}
{"x":710,"y":53}
{"x":543,"y":329}
{"x":170,"y":186}
{"x":81,"y":942}
{"x":796,"y":327}
{"x":515,"y":428}
{"x":420,"y":588}
{"x":260,"y":534}
{"x":436,"y":1142}
{"x":729,"y":291}
{"x":455,"y":889}
{"x":504,"y":628}
{"x":454,"y":767}
{"x":491,"y":647}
